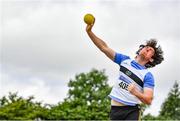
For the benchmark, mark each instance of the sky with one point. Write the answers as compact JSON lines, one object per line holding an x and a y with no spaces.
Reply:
{"x":44,"y":43}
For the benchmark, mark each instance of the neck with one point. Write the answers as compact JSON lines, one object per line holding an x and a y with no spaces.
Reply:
{"x":140,"y":60}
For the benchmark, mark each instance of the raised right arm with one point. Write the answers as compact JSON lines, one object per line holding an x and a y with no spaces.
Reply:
{"x":110,"y":53}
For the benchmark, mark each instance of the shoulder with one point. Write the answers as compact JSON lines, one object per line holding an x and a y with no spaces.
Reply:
{"x":120,"y":57}
{"x":149,"y":80}
{"x":149,"y":75}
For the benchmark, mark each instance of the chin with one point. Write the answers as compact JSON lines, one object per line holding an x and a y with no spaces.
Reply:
{"x":142,"y":56}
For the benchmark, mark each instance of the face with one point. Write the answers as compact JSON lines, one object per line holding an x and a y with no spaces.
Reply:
{"x":147,"y":53}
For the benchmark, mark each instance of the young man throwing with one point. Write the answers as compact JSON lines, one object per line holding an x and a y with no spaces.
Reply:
{"x":135,"y":83}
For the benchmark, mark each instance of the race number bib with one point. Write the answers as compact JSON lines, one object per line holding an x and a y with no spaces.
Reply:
{"x":123,"y":85}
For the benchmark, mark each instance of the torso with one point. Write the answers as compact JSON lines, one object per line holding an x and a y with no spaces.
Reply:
{"x":115,"y":103}
{"x":128,"y":74}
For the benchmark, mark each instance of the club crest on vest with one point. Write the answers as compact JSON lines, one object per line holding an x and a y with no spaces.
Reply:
{"x":128,"y":73}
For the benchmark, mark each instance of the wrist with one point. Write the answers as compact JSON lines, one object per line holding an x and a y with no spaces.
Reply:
{"x":89,"y":31}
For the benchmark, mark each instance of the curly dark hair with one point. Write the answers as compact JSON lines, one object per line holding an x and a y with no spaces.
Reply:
{"x":157,"y":57}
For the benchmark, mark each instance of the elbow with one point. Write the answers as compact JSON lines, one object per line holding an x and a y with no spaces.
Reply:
{"x":148,"y":101}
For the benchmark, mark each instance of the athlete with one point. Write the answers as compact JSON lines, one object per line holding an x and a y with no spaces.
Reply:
{"x":135,"y":83}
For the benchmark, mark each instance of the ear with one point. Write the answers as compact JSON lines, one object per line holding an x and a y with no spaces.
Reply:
{"x":151,"y":60}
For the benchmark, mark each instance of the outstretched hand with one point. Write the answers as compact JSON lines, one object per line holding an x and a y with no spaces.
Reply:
{"x":89,"y":27}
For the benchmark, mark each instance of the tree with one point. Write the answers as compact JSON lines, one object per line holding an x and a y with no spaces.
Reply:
{"x":15,"y":107}
{"x":170,"y":109}
{"x":87,"y":98}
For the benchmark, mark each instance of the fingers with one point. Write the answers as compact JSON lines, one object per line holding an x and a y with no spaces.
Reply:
{"x":89,"y":27}
{"x":131,"y":87}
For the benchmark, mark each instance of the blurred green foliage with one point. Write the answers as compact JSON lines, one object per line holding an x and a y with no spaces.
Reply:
{"x":87,"y":100}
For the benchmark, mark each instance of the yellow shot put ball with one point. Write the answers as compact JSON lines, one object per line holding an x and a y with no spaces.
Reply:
{"x":89,"y":19}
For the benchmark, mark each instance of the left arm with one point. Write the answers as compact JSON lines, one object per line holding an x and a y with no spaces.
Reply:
{"x":146,"y":96}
